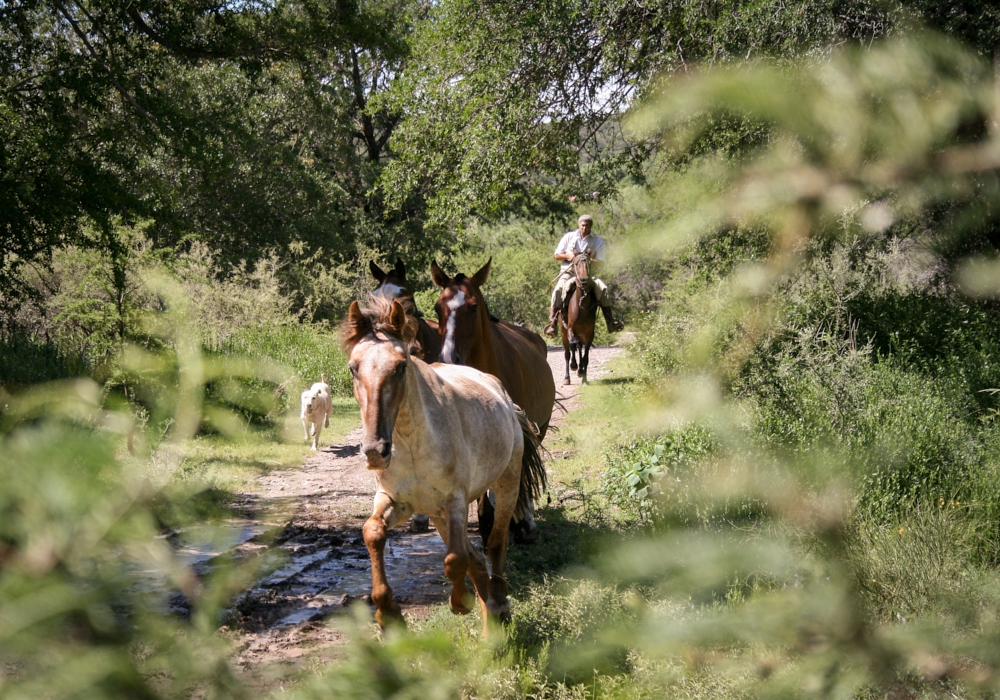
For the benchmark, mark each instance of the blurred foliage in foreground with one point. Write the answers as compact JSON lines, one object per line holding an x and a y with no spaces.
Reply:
{"x":824,"y":410}
{"x":87,"y":578}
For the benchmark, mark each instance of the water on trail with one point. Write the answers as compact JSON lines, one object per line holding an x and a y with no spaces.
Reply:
{"x":308,"y":573}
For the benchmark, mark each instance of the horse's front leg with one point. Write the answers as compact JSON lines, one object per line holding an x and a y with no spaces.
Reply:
{"x":460,"y":556}
{"x":385,"y":516}
{"x":584,"y":361}
{"x":566,"y":381}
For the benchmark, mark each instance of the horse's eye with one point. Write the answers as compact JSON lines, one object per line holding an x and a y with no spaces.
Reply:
{"x":353,"y":366}
{"x":400,"y":368}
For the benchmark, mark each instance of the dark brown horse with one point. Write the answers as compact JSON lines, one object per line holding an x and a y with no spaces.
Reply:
{"x":394,"y":285}
{"x":578,"y":318}
{"x":516,"y":356}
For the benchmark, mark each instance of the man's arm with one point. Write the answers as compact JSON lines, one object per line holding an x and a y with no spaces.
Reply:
{"x":561,"y":250}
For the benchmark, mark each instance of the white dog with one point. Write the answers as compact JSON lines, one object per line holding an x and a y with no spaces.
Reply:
{"x":317,"y":408}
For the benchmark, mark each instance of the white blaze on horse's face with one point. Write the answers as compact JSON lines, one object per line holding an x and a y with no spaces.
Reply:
{"x":448,"y":347}
{"x":378,"y":365}
{"x":390,"y":290}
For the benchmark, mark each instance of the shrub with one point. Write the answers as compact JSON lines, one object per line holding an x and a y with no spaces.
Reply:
{"x":309,"y":350}
{"x":641,"y":475}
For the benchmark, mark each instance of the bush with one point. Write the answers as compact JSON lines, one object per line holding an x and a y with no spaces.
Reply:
{"x":24,"y":360}
{"x":640,"y":476}
{"x":310,"y":351}
{"x":918,"y":564}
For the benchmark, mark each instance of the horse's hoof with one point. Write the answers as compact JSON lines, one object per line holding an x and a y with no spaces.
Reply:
{"x":522,"y":534}
{"x":499,"y":611}
{"x":393,"y":616}
{"x":420,"y":523}
{"x":567,"y":383}
{"x":459,"y":607}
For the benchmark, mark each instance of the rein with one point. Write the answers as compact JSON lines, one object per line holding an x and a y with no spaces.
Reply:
{"x":586,"y":290}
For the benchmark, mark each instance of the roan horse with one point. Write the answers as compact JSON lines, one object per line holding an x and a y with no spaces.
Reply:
{"x":427,"y":344}
{"x":394,"y":285}
{"x":515,"y":355}
{"x":578,"y":318}
{"x":437,"y":437}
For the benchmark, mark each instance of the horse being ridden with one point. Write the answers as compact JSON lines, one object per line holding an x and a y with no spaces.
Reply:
{"x":579,"y":317}
{"x":437,"y":437}
{"x":394,"y":285}
{"x":515,"y":355}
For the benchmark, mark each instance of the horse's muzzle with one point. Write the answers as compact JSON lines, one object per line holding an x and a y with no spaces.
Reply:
{"x":378,"y":454}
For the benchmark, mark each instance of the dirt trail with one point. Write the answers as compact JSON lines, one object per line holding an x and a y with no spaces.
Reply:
{"x":314,"y":516}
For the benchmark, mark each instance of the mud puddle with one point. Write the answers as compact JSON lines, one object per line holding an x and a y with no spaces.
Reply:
{"x":308,"y":572}
{"x":324,"y":573}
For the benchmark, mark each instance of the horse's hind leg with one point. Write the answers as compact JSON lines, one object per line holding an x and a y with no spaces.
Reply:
{"x":385,"y":516}
{"x":506,"y":490}
{"x":485,"y":508}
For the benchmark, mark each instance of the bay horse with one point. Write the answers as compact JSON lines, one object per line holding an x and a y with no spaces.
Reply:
{"x":437,"y":437}
{"x":579,"y":318}
{"x":394,"y":285}
{"x":516,"y":356}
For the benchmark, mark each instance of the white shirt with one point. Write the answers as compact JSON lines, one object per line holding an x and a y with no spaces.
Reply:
{"x":572,"y":243}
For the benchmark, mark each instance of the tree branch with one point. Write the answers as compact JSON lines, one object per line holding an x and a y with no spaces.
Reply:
{"x":194,"y":53}
{"x":366,"y":120}
{"x":100,"y":61}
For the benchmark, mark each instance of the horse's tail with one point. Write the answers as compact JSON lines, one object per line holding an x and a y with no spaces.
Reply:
{"x":533,"y":480}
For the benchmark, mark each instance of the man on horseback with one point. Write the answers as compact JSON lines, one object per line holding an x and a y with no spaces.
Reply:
{"x":572,"y":243}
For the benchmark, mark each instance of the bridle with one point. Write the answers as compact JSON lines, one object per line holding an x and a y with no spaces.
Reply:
{"x":581,"y":263}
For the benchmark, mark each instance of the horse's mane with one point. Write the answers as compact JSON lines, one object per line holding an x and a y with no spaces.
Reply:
{"x":376,"y":316}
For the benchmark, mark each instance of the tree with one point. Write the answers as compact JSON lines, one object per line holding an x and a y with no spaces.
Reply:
{"x":245,"y":124}
{"x":518,"y":105}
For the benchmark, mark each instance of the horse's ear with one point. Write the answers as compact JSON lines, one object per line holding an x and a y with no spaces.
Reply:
{"x":355,"y":326}
{"x":397,"y":318}
{"x":377,"y":272}
{"x":437,"y":274}
{"x":484,"y":272}
{"x":400,"y":269}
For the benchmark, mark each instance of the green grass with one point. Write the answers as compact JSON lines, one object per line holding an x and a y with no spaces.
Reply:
{"x":310,"y":350}
{"x":232,"y":465}
{"x":574,"y":517}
